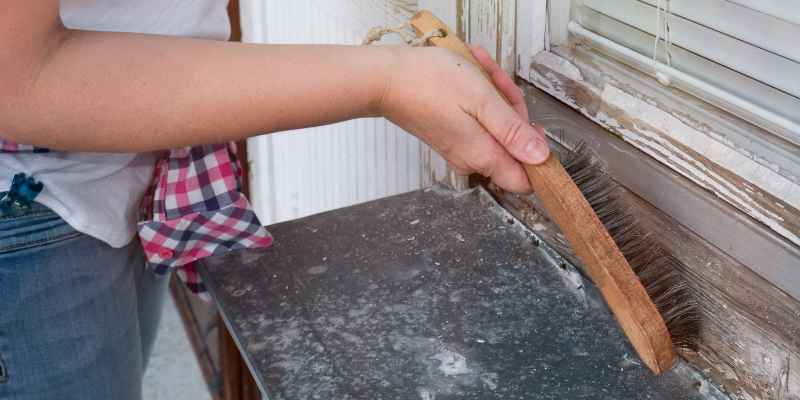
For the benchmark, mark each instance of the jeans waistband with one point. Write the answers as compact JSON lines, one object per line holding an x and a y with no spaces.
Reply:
{"x":35,"y":226}
{"x":33,"y":209}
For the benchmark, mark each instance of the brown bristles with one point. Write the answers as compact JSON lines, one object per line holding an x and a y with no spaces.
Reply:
{"x":656,"y":268}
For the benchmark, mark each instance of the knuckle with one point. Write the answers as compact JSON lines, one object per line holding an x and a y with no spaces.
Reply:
{"x":485,"y":162}
{"x":514,"y":133}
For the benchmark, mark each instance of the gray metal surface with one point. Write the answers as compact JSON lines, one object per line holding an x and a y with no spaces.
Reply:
{"x":427,"y":295}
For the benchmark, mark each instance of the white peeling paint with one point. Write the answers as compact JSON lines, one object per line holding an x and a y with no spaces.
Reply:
{"x":483,"y":24}
{"x":550,"y":75}
{"x":560,"y":64}
{"x":656,"y":145}
{"x":507,"y":56}
{"x":728,"y":158}
{"x":531,"y":33}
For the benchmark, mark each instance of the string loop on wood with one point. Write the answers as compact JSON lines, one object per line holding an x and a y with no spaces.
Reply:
{"x":377,"y":33}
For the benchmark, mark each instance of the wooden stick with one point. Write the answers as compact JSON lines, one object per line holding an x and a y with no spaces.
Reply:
{"x":624,"y":294}
{"x":231,"y":364}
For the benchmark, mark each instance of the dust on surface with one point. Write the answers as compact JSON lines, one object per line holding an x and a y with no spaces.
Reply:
{"x":459,"y":305}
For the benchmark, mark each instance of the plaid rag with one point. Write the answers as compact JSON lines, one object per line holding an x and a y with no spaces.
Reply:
{"x":11,"y":147}
{"x":194,"y":208}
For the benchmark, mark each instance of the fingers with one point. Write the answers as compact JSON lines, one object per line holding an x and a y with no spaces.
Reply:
{"x":456,"y":110}
{"x":511,"y":128}
{"x":502,"y":81}
{"x":482,"y":154}
{"x":510,"y":175}
{"x":512,"y":178}
{"x":524,"y":141}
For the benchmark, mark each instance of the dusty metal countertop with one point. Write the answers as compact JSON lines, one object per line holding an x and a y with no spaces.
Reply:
{"x":428,"y":295}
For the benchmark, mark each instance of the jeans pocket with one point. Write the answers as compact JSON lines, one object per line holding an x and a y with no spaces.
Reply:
{"x":37,"y":226}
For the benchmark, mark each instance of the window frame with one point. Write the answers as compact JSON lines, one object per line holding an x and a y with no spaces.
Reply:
{"x":562,"y":62}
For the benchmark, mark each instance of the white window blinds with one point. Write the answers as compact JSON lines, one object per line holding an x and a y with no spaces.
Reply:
{"x":741,"y":55}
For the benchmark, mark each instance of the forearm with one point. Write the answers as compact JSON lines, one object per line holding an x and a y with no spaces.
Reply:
{"x":92,"y":91}
{"x":125,"y":92}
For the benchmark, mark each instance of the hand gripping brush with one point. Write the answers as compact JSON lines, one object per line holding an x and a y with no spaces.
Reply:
{"x":624,"y":292}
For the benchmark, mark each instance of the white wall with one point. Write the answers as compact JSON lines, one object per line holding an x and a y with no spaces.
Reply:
{"x":312,"y":170}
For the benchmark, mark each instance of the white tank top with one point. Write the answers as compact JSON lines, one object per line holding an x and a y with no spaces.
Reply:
{"x":97,"y":193}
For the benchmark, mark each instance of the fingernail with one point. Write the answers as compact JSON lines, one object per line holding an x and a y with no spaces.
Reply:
{"x":536,"y":151}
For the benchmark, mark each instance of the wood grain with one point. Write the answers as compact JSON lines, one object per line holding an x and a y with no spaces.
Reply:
{"x":231,"y":364}
{"x":750,"y":337}
{"x":492,"y":26}
{"x":193,"y":315}
{"x":621,"y":288}
{"x":743,"y":164}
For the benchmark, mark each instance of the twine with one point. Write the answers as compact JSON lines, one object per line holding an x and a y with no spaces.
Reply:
{"x":377,"y":33}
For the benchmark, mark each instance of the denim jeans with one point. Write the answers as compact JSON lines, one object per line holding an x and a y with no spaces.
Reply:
{"x":77,"y":317}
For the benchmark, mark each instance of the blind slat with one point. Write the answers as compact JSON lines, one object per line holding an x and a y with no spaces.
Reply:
{"x":762,"y":65}
{"x":782,"y":106}
{"x":754,"y":27}
{"x":787,"y":10}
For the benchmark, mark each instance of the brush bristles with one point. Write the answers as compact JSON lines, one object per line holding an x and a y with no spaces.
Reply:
{"x":656,"y":268}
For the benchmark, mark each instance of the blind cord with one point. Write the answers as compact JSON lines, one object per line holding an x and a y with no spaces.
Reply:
{"x":662,"y":29}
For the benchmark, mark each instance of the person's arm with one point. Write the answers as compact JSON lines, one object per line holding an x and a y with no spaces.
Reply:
{"x":95,"y":91}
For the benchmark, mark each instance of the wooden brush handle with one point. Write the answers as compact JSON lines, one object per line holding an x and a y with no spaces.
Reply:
{"x":621,"y":288}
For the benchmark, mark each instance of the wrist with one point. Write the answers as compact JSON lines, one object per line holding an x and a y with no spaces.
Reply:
{"x":388,"y":60}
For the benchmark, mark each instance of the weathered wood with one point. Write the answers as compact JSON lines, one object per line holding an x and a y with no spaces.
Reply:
{"x":707,"y":152}
{"x":609,"y":269}
{"x":250,"y":389}
{"x":231,"y":364}
{"x":695,"y":147}
{"x":492,"y":26}
{"x":749,"y":340}
{"x":531,"y":33}
{"x":193,"y":325}
{"x":750,"y":337}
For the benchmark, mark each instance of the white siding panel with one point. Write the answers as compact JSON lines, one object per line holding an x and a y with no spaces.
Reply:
{"x":312,"y":170}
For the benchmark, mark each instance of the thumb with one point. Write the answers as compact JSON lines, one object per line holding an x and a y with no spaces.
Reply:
{"x":524,"y":141}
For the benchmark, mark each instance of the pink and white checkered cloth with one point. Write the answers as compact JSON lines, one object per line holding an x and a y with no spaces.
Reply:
{"x":193,"y":209}
{"x":11,"y":147}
